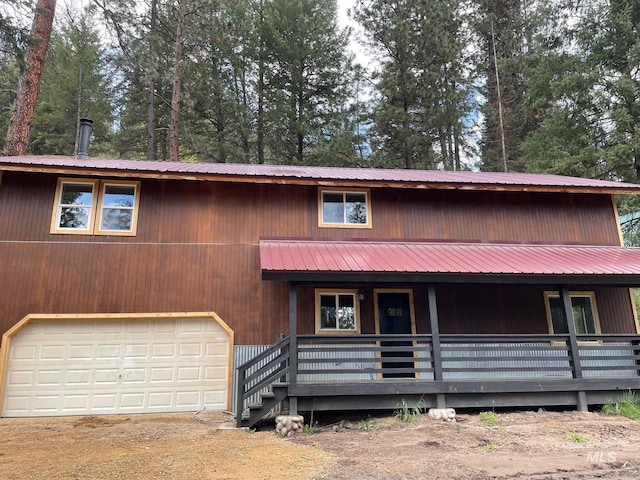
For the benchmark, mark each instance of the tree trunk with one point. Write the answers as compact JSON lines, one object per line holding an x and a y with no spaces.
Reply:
{"x":261,"y":88}
{"x":24,"y":106}
{"x":176,"y":96}
{"x":300,"y":134}
{"x":151,"y":87}
{"x":78,"y":110}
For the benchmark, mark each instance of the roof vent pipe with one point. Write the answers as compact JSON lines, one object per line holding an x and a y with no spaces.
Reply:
{"x":84,"y":139}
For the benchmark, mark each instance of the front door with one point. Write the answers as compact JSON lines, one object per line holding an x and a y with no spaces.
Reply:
{"x":394,"y":315}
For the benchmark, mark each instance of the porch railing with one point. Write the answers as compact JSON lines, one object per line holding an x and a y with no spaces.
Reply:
{"x":369,"y":358}
{"x":375,"y":357}
{"x":257,"y":375}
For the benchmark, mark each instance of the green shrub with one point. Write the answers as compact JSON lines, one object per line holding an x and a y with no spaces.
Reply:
{"x":407,"y":414}
{"x":489,"y":417}
{"x":628,"y":406}
{"x":366,"y":424}
{"x":575,"y":437}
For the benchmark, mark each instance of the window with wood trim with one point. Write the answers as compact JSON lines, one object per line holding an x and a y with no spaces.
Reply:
{"x":585,"y":313}
{"x":344,"y":208}
{"x":95,"y":207}
{"x":337,"y":311}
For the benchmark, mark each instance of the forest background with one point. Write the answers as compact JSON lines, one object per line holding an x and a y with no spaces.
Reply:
{"x":495,"y":85}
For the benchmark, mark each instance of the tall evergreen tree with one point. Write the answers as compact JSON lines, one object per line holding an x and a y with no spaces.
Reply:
{"x":74,"y":86}
{"x":586,"y":96}
{"x":422,"y":86}
{"x":219,"y":116}
{"x":502,"y":29}
{"x":23,"y":109}
{"x":306,"y":78}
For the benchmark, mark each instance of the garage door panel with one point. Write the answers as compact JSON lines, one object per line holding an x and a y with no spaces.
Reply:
{"x":164,"y":350}
{"x":83,"y":367}
{"x":75,"y":402}
{"x":21,"y":378}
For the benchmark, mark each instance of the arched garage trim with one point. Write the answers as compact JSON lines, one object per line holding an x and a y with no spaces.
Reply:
{"x":8,"y":337}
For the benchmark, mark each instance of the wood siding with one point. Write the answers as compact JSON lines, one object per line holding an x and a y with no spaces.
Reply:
{"x":484,"y":309}
{"x":196,"y":249}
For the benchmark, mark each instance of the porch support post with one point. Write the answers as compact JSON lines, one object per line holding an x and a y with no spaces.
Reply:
{"x":293,"y":344}
{"x":573,"y":345}
{"x":435,"y":344}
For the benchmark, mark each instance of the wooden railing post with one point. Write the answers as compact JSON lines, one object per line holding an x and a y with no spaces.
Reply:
{"x":293,"y":345}
{"x":435,"y":343}
{"x":573,"y":345}
{"x":240,"y":377}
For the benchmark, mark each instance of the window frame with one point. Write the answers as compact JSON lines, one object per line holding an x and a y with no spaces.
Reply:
{"x":336,"y":292}
{"x":134,"y":210}
{"x":97,"y":207}
{"x":573,"y":294}
{"x":344,"y":192}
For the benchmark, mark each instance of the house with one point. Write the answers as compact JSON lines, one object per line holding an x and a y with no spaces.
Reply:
{"x":136,"y":286}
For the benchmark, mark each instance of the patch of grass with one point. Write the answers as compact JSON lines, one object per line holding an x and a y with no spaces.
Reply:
{"x":575,"y":437}
{"x":366,"y":424}
{"x":628,"y":406}
{"x":490,"y":418}
{"x":406,"y":414}
{"x":489,"y":447}
{"x":306,"y":428}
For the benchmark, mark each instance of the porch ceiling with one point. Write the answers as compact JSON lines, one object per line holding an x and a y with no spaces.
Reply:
{"x":383,"y":261}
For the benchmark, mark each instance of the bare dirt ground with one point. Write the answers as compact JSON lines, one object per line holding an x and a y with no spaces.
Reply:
{"x":524,"y":445}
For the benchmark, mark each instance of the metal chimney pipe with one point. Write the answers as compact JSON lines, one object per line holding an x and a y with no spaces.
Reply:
{"x":86,"y":126}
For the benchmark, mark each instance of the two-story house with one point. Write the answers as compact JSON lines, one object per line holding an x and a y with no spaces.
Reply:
{"x":135,"y":286}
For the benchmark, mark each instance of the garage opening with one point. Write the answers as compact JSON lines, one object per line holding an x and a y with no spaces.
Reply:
{"x":55,"y":365}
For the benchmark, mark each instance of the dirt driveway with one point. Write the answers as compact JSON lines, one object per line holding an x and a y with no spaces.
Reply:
{"x":545,"y":445}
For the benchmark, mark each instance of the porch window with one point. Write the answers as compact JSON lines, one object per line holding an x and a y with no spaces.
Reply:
{"x":585,"y":313}
{"x":337,"y":311}
{"x":344,"y":208}
{"x":95,"y":207}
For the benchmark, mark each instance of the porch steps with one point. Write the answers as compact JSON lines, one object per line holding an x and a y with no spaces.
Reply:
{"x":277,"y":393}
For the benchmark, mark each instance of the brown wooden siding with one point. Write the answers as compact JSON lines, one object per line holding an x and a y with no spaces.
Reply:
{"x":196,"y":248}
{"x":481,"y":309}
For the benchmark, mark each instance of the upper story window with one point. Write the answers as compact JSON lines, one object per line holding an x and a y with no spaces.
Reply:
{"x":98,"y":207}
{"x":341,"y":208}
{"x":337,"y":311}
{"x":585,"y":313}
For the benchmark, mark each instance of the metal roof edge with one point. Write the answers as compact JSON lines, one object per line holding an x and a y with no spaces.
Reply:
{"x":319,"y":176}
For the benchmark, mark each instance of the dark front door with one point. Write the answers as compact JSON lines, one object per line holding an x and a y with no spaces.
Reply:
{"x":394,"y":317}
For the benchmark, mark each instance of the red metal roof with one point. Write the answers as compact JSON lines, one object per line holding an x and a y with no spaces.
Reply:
{"x":313,"y":175}
{"x":365,"y":257}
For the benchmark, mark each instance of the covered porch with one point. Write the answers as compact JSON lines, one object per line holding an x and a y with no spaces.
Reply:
{"x":437,"y":362}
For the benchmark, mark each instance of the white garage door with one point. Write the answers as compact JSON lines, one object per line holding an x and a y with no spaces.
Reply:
{"x":80,"y":366}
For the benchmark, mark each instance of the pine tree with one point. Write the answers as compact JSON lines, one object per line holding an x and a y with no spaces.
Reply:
{"x":502,"y":28}
{"x":74,"y":86}
{"x":19,"y":129}
{"x":422,"y":86}
{"x":585,"y":98}
{"x":306,"y":78}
